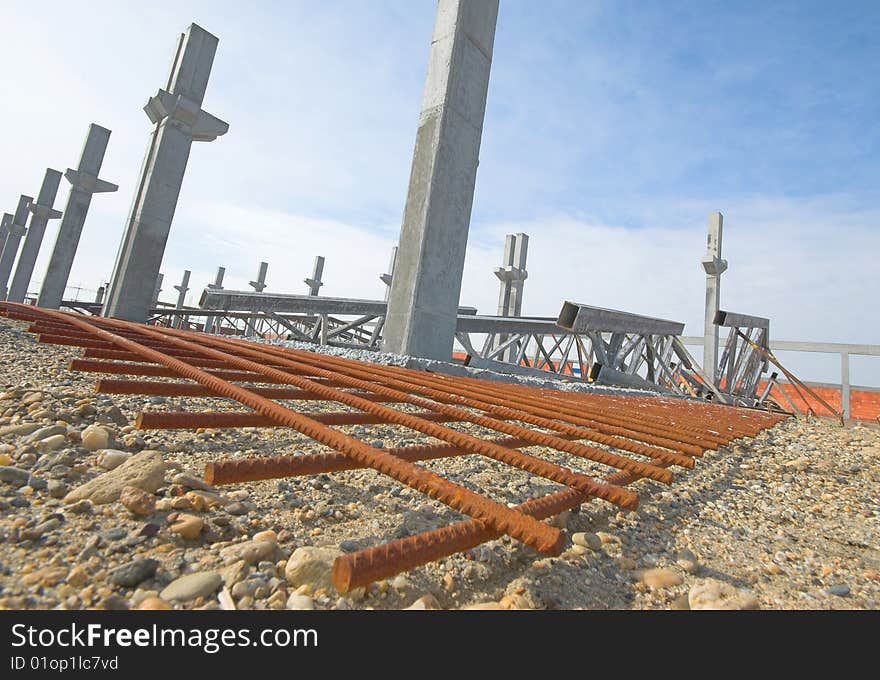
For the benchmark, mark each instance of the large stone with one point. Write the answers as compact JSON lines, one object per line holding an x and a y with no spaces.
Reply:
{"x":312,"y":566}
{"x":144,"y":470}
{"x":191,"y":586}
{"x":715,"y":595}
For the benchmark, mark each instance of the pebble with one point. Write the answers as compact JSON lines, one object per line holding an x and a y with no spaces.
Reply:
{"x":14,"y":476}
{"x":95,"y":437}
{"x":191,"y":482}
{"x":133,"y":573}
{"x":301,"y":602}
{"x":186,"y":526}
{"x":688,"y":561}
{"x":137,"y":501}
{"x":45,"y":433}
{"x":657,"y":579}
{"x":840,"y":590}
{"x":311,"y":566}
{"x":191,"y":586}
{"x":249,"y":552}
{"x":154,"y":604}
{"x":587,"y":540}
{"x":56,"y":488}
{"x":714,"y":594}
{"x":110,"y":459}
{"x":52,"y":443}
{"x":425,"y":602}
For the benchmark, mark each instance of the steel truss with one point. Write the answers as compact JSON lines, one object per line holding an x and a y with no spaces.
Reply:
{"x":741,"y":366}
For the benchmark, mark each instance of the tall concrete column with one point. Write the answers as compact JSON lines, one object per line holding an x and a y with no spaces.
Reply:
{"x":178,"y":122}
{"x":5,"y":226}
{"x":84,"y":182}
{"x":4,"y":229}
{"x":157,"y":288}
{"x":314,"y":282}
{"x":259,"y":285}
{"x":15,"y":230}
{"x":512,"y":273}
{"x":43,"y":211}
{"x":217,"y":285}
{"x":182,"y":290}
{"x":714,"y":267}
{"x":99,"y":295}
{"x":423,"y":304}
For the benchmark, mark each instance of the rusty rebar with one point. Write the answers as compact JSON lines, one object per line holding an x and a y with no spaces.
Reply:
{"x":537,"y":438}
{"x":540,"y":536}
{"x":529,"y":463}
{"x":191,"y":420}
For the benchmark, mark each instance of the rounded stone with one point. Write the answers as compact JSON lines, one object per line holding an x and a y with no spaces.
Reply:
{"x":110,"y":459}
{"x":191,"y":586}
{"x":95,"y":437}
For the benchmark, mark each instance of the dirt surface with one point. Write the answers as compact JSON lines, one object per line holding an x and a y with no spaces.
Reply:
{"x":787,"y":520}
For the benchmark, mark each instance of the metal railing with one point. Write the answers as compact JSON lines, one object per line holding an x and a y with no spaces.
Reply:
{"x":844,"y":350}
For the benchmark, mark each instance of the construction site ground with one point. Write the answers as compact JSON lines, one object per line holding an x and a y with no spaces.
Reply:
{"x":788,"y":520}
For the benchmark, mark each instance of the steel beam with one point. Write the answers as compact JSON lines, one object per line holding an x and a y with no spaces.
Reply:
{"x":580,"y":318}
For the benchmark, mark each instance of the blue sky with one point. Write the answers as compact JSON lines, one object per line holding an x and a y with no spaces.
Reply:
{"x":612,"y":129}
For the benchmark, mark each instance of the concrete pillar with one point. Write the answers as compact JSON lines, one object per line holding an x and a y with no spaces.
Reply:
{"x":715,"y":267}
{"x":178,"y":122}
{"x":99,"y":296}
{"x":387,"y":278}
{"x":84,"y":182}
{"x":4,"y":229}
{"x":182,"y":290}
{"x":845,"y":406}
{"x":43,"y":211}
{"x":314,"y":282}
{"x":512,"y":273}
{"x":260,"y":284}
{"x":15,"y":230}
{"x":217,"y":285}
{"x":157,"y":288}
{"x":423,"y":304}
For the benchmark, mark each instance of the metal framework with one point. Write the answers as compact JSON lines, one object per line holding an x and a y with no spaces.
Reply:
{"x":741,"y":365}
{"x":586,"y":343}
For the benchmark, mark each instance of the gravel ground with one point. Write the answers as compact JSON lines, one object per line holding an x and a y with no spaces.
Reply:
{"x":788,"y":520}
